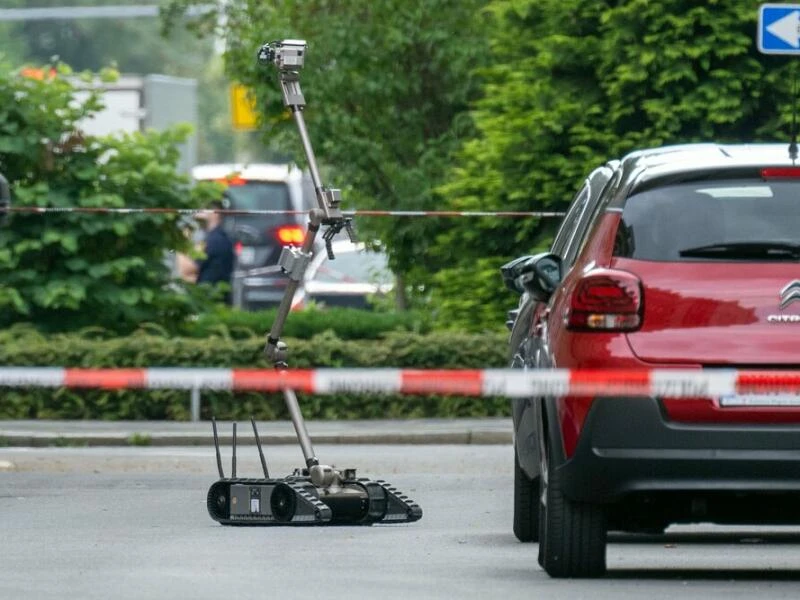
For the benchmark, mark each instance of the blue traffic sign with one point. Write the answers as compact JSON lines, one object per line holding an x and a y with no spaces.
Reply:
{"x":779,"y":29}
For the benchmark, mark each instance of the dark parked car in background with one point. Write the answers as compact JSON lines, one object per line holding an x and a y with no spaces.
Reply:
{"x":677,"y":257}
{"x":258,"y":239}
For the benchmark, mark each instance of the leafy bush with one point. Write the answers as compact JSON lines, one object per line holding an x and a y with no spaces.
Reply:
{"x":67,"y":271}
{"x":21,"y":346}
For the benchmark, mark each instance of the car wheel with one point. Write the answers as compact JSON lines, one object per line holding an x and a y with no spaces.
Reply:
{"x":526,"y":504}
{"x":572,"y":534}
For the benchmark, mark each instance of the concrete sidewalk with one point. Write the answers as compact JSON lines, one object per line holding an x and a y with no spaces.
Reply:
{"x":170,"y":433}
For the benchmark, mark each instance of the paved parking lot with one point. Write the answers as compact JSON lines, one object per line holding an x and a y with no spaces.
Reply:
{"x":131,"y":523}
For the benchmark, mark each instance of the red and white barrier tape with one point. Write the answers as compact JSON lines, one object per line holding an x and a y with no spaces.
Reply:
{"x":40,"y":210}
{"x":667,"y":383}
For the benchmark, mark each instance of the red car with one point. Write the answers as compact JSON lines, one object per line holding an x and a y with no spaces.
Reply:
{"x":679,"y":257}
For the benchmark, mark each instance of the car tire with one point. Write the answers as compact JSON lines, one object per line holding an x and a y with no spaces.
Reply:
{"x":542,"y":529}
{"x":572,"y":534}
{"x":526,"y":504}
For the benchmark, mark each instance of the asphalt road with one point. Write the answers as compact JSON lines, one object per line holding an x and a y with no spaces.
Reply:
{"x":131,"y":523}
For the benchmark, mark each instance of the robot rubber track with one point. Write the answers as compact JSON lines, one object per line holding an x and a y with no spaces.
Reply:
{"x":296,"y":501}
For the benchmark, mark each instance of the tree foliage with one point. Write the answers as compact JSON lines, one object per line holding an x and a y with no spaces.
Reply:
{"x":564,"y":86}
{"x":574,"y":83}
{"x":65,"y":271}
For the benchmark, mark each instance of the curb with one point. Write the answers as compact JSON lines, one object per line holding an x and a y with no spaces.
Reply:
{"x":190,"y":439}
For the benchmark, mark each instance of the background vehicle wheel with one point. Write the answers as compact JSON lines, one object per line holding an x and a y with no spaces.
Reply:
{"x":573,"y":536}
{"x":526,"y":505}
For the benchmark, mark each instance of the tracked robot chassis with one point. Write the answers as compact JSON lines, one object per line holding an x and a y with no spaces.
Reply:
{"x":316,"y":494}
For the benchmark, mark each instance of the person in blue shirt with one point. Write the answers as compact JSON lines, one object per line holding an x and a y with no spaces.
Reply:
{"x":217,"y":265}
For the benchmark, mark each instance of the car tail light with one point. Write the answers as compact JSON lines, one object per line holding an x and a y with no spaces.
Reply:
{"x":780,"y":172}
{"x":606,"y":300}
{"x":290,"y":235}
{"x":237,"y":247}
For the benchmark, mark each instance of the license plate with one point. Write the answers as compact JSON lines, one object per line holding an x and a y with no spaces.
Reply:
{"x":760,"y":400}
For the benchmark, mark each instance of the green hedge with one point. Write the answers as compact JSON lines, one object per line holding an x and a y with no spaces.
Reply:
{"x":229,"y":323}
{"x":345,"y":323}
{"x":22,"y":347}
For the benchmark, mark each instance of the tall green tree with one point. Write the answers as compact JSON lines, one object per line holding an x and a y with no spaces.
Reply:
{"x":388,"y":86}
{"x":574,"y":83}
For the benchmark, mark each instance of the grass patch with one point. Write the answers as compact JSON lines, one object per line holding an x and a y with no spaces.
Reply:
{"x":63,"y":442}
{"x":140,"y":439}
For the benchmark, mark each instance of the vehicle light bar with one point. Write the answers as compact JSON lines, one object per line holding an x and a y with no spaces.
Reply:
{"x":233,"y":181}
{"x":781,"y":173}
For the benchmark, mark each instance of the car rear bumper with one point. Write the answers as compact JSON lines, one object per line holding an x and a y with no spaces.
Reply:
{"x":628,"y":446}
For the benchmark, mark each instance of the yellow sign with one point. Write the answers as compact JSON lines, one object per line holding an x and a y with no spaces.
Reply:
{"x":243,"y":108}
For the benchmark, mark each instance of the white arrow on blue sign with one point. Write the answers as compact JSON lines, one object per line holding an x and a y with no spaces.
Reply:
{"x":779,"y":29}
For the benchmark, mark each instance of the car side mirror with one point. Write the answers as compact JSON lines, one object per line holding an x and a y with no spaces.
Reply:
{"x":540,"y":275}
{"x":5,"y":200}
{"x":511,"y":272}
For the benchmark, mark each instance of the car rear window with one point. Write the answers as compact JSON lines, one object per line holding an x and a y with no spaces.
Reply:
{"x":711,"y":220}
{"x":257,"y":195}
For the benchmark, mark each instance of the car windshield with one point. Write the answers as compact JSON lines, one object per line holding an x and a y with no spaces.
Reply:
{"x":717,"y":220}
{"x":355,"y":267}
{"x":257,"y":195}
